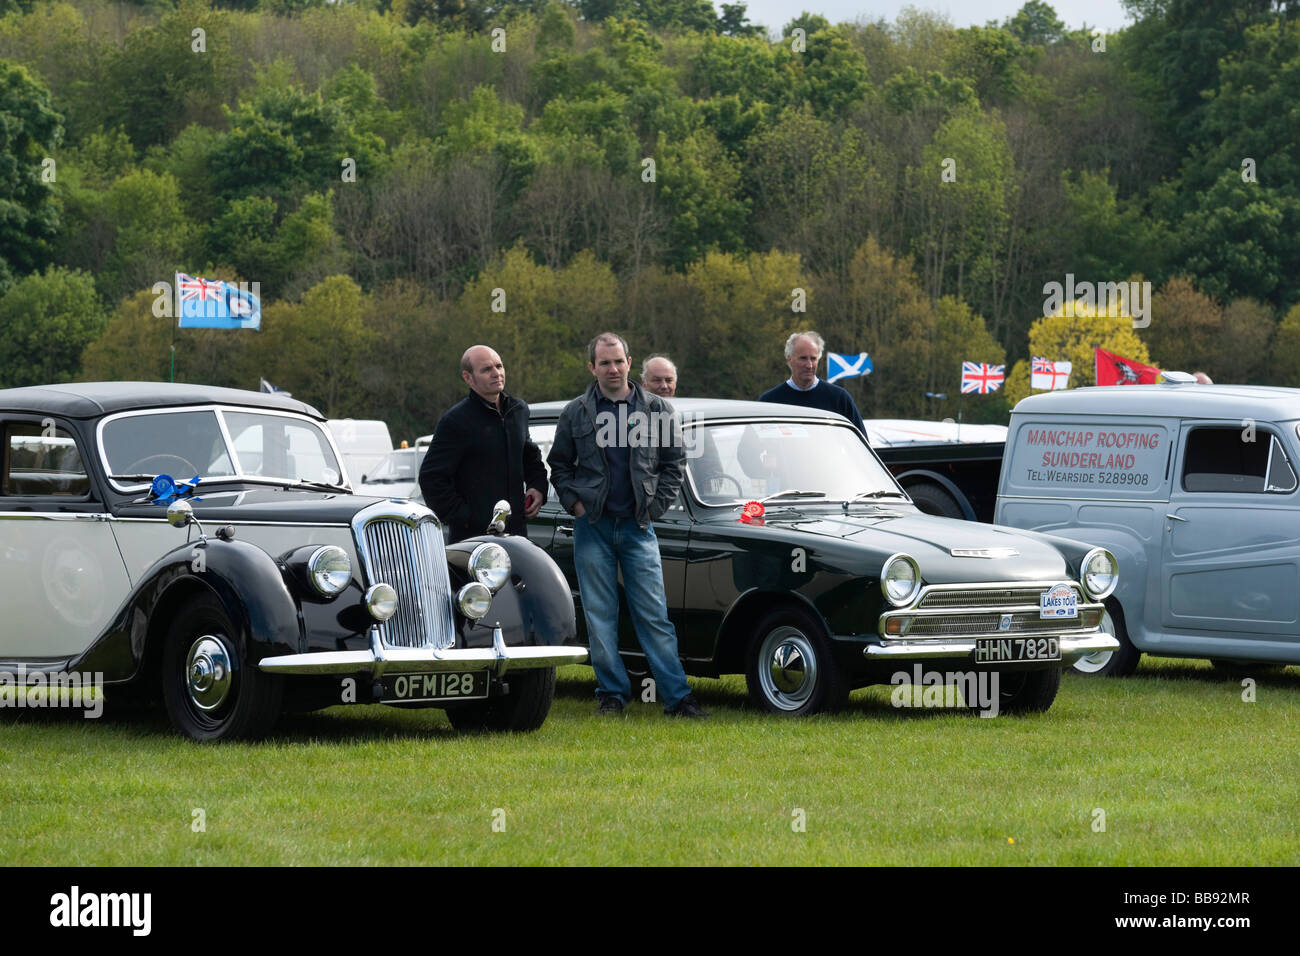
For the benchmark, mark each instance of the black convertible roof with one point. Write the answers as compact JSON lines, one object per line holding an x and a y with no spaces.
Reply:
{"x":92,"y":399}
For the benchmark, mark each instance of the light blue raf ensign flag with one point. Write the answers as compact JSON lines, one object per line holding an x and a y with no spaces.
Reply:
{"x":847,"y":366}
{"x":213,"y":304}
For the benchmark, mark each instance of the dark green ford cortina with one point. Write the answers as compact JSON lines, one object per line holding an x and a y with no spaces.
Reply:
{"x":794,"y":557}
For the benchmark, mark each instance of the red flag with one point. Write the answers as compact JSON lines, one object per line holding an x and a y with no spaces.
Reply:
{"x":1114,"y":369}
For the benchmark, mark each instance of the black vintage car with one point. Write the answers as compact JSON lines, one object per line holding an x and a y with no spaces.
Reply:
{"x":794,"y":557}
{"x":201,"y":546}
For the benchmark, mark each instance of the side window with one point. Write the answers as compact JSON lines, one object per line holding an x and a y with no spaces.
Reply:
{"x":543,"y":436}
{"x":1222,"y":460}
{"x":42,"y":461}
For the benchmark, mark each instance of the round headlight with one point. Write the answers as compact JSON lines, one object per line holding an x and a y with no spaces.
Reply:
{"x":490,"y":565}
{"x":900,"y":579}
{"x":1100,"y":573}
{"x":474,"y":600}
{"x":381,"y":602}
{"x":329,"y":569}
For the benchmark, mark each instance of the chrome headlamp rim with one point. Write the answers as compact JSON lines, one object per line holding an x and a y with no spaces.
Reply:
{"x":489,"y":563}
{"x":1084,"y":573}
{"x":907,"y":599}
{"x":329,"y":581}
{"x":474,"y":599}
{"x":381,"y":601}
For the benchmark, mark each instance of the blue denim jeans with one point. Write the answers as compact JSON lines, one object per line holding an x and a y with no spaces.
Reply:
{"x":599,"y":551}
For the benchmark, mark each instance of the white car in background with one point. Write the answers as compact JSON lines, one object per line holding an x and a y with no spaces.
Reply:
{"x":397,"y":475}
{"x":362,"y":442}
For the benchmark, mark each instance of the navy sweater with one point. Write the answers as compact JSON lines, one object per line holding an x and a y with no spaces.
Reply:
{"x":823,"y":395}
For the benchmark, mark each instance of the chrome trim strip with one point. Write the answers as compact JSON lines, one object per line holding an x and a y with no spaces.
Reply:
{"x":403,"y":660}
{"x":1072,"y":648}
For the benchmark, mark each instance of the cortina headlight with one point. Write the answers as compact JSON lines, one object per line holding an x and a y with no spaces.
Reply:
{"x":1100,"y":573}
{"x":900,"y":579}
{"x":329,"y":569}
{"x":490,"y":565}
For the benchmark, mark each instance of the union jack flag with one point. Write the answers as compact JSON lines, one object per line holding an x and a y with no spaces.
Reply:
{"x":199,"y":289}
{"x":1044,"y":366}
{"x":980,"y":378}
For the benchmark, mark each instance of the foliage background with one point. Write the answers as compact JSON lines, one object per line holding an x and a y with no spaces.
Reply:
{"x":127,"y":153}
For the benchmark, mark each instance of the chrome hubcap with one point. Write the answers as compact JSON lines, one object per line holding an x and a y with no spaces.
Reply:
{"x":207,"y":670}
{"x":788,"y":671}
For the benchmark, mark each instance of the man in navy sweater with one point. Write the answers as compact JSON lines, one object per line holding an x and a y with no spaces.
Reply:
{"x":803,"y":350}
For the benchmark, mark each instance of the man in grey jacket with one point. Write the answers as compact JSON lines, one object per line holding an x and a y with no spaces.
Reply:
{"x":616,"y":464}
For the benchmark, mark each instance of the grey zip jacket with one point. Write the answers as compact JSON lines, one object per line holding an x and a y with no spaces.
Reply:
{"x":580,"y":472}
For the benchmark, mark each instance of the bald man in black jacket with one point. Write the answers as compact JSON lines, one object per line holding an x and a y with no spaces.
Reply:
{"x":481,"y":453}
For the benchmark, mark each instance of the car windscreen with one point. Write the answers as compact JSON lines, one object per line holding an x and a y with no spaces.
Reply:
{"x":400,"y":466}
{"x":729,"y":463}
{"x":188,"y":443}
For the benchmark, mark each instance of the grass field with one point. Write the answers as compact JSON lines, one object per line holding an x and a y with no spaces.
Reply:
{"x":1184,"y":770}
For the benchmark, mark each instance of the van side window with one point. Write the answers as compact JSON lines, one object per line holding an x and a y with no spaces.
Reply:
{"x":41,"y":461}
{"x":1220,"y":460}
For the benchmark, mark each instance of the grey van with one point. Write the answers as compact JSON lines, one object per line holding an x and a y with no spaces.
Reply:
{"x":1193,"y":489}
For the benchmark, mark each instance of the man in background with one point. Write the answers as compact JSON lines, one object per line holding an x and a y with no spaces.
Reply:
{"x":803,"y":350}
{"x":659,"y":375}
{"x":481,"y":454}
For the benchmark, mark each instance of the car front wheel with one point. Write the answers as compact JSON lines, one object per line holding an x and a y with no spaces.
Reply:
{"x":210,"y":687}
{"x":523,"y":709}
{"x":789,"y":669}
{"x":1120,"y":663}
{"x":1027,"y":692}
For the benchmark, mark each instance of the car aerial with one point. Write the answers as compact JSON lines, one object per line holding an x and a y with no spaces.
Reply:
{"x":1194,"y":489}
{"x":794,"y":557}
{"x":201,"y":546}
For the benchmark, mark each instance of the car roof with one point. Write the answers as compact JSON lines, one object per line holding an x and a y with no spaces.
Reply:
{"x":1170,"y":400}
{"x":92,"y":399}
{"x":715,"y":408}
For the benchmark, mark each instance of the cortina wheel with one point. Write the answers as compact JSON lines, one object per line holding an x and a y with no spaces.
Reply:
{"x":789,"y":669}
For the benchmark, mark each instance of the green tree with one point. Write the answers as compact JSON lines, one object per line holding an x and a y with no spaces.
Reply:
{"x":46,"y":321}
{"x":150,"y":232}
{"x":545,"y":319}
{"x":699,"y":183}
{"x":313,"y":347}
{"x":1036,"y":24}
{"x":30,"y":129}
{"x":1286,"y":350}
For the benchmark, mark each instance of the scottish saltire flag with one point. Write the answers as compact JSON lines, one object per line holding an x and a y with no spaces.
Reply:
{"x":847,"y":366}
{"x":980,"y":378}
{"x":1048,"y":375}
{"x":213,"y":304}
{"x":274,"y":389}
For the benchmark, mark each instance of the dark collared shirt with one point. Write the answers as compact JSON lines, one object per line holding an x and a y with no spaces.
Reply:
{"x":621,"y":502}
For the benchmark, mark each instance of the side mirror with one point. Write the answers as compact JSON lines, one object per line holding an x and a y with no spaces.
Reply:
{"x":180,"y":513}
{"x":500,"y":515}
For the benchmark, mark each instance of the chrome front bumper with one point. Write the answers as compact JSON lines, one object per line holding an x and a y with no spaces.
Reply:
{"x":380,"y":660}
{"x":1072,"y":648}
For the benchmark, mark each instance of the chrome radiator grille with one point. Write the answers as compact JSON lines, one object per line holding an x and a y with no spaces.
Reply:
{"x":413,"y":560}
{"x":988,"y":597}
{"x":953,"y":625}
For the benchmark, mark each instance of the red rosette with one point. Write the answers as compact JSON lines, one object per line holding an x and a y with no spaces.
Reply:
{"x":753,"y":512}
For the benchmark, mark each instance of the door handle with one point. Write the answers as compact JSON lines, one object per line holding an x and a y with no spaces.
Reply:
{"x":564,"y":529}
{"x":1175,"y":518}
